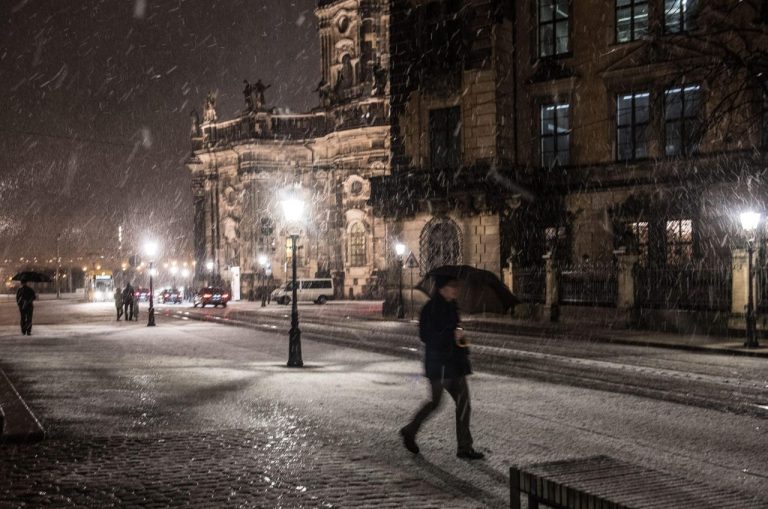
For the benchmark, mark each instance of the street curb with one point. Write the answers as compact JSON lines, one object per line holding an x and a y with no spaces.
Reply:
{"x":600,"y":337}
{"x":17,"y":422}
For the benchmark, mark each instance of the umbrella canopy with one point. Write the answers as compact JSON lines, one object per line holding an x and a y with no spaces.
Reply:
{"x":480,"y":291}
{"x":32,"y":277}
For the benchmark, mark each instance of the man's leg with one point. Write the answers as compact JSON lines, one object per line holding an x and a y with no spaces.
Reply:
{"x":29,"y":321}
{"x":22,"y":321}
{"x":459,"y":391}
{"x":436,"y":393}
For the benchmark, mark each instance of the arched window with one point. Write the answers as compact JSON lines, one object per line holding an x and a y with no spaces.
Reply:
{"x":440,"y":244}
{"x":346,"y":74}
{"x":357,"y":254}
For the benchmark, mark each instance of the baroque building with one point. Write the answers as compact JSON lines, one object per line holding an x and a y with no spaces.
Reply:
{"x":241,"y":166}
{"x":508,"y":136}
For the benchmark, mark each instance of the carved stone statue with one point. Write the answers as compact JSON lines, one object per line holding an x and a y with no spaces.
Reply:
{"x":248,"y":94}
{"x":195,"y":127}
{"x":209,"y":114}
{"x":258,"y":89}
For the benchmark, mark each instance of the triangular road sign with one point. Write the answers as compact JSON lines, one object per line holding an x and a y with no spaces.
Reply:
{"x":411,"y":262}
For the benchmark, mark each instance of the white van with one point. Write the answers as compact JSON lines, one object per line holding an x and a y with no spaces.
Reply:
{"x":309,"y":290}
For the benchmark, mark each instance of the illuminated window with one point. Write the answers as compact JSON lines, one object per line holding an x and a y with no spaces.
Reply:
{"x":289,"y":253}
{"x":632,"y":118}
{"x":682,"y":119}
{"x":555,"y":134}
{"x":679,"y":241}
{"x":679,"y":15}
{"x":357,"y":255}
{"x":631,"y":19}
{"x":553,"y":27}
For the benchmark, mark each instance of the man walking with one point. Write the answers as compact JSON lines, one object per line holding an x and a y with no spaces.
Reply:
{"x":128,"y":302}
{"x":118,"y":302}
{"x":24,"y":298}
{"x":446,"y":363}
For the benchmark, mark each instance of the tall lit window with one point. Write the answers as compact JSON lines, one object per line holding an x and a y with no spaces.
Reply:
{"x":679,"y":242}
{"x":555,"y":134}
{"x":682,"y":108}
{"x":679,"y":15}
{"x":445,"y":137}
{"x":639,"y":231}
{"x":357,"y":255}
{"x":299,"y":253}
{"x":632,"y":119}
{"x":631,"y":19}
{"x":553,"y":27}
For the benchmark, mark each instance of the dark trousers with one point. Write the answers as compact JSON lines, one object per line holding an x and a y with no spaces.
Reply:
{"x":119,"y":311}
{"x":459,"y":391}
{"x":128,"y":310}
{"x":26,"y":319}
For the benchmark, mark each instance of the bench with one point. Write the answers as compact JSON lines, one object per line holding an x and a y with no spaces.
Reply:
{"x":602,"y":482}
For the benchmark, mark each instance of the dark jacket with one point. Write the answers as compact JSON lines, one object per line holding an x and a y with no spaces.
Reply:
{"x":443,"y":358}
{"x":24,"y":297}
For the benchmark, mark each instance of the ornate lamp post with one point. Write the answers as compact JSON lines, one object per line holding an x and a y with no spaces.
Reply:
{"x":749,"y":221}
{"x":400,"y":251}
{"x":262,"y":279}
{"x":293,"y":208}
{"x":150,"y":249}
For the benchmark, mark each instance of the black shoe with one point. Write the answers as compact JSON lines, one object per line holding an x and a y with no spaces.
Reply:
{"x":470,"y":455}
{"x":409,"y":442}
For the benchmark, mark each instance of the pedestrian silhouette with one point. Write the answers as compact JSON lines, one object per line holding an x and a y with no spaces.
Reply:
{"x":446,"y":365}
{"x":128,"y":301}
{"x":118,"y":302}
{"x":25,"y":297}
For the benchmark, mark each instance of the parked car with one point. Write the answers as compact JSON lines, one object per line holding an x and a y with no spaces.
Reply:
{"x":211,"y":295}
{"x":318,"y":291}
{"x":141,"y":294}
{"x":171,"y":295}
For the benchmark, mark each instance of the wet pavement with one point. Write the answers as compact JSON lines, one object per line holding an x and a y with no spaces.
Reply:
{"x":196,"y":414}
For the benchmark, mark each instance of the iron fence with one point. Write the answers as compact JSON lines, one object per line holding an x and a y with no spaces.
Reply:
{"x":591,"y":284}
{"x":529,"y":284}
{"x":690,"y":288}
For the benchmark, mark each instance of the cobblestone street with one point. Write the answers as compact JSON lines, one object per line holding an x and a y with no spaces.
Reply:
{"x":199,"y":414}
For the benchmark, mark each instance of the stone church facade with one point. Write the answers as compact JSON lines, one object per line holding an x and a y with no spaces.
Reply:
{"x":241,"y":167}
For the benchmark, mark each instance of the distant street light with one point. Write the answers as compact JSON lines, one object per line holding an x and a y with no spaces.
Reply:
{"x":749,"y":221}
{"x":209,"y":266}
{"x":174,"y":270}
{"x":262,"y":279}
{"x":400,"y":251}
{"x":293,"y":210}
{"x":150,"y":249}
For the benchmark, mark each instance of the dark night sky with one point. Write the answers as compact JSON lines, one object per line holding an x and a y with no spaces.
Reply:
{"x":95,"y":99}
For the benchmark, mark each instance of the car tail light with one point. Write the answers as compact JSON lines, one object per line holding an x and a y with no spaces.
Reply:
{"x":206,"y":295}
{"x":225,"y":295}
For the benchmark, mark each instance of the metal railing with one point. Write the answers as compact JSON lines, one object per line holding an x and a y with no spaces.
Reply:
{"x":689,"y":287}
{"x":590,"y":284}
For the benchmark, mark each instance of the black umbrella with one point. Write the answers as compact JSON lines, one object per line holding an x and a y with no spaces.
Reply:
{"x":32,"y":277}
{"x":480,"y":291}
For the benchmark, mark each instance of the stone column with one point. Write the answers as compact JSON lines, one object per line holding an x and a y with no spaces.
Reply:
{"x":551,"y":289}
{"x":739,"y":288}
{"x":626,"y":280}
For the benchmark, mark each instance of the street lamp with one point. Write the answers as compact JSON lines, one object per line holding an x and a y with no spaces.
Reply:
{"x":150,"y":249}
{"x":263,"y":277}
{"x":749,"y":221}
{"x":293,"y":209}
{"x":209,"y":266}
{"x":400,"y":251}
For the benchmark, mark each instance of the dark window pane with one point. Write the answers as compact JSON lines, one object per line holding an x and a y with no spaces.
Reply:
{"x":562,"y":45}
{"x":642,"y":107}
{"x":673,"y":138}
